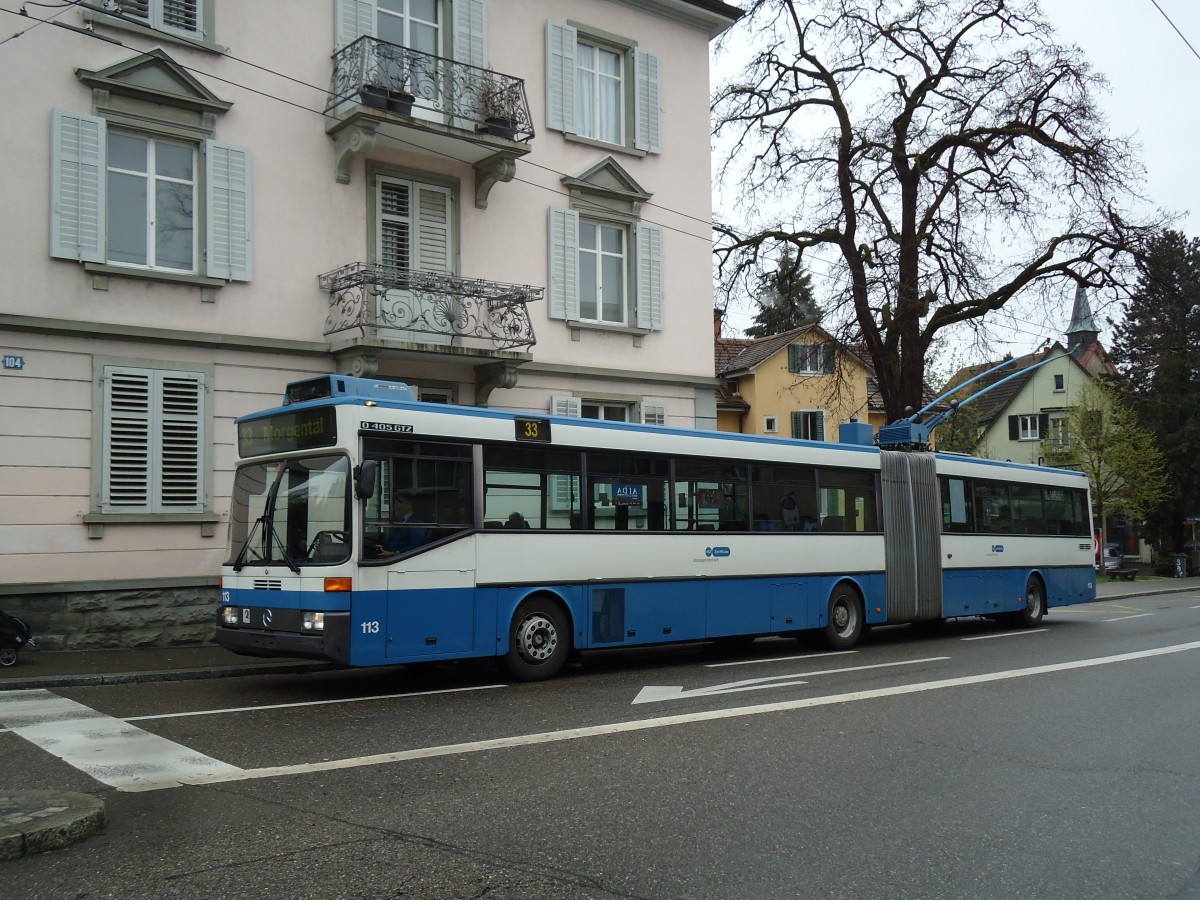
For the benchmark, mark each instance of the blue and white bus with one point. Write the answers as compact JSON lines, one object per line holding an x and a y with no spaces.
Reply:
{"x":371,"y":529}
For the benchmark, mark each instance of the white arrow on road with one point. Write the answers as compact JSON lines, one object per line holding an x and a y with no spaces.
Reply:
{"x":654,"y":693}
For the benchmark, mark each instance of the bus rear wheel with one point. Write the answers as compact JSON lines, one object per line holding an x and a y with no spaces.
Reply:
{"x":846,"y":618}
{"x":538,"y":642}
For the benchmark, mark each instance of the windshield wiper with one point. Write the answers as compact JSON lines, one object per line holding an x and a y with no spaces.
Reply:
{"x":268,"y":518}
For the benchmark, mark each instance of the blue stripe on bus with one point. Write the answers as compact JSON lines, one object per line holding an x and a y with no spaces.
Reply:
{"x":455,"y":623}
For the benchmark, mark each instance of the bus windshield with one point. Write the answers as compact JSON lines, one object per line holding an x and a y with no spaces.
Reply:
{"x":291,"y":512}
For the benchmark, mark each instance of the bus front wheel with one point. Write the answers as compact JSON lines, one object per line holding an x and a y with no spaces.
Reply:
{"x":538,"y":642}
{"x":846,"y":618}
{"x":1031,"y":614}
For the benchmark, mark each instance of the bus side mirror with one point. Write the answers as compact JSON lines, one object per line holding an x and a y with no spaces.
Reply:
{"x":364,"y":479}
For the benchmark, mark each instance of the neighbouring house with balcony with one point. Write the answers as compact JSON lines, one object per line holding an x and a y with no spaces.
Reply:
{"x":500,"y":202}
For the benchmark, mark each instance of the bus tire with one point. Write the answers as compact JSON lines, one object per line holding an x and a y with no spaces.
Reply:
{"x":539,"y":640}
{"x":844,"y":625}
{"x":1031,"y":614}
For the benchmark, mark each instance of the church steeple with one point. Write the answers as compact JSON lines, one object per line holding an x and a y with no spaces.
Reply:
{"x":1082,"y":332}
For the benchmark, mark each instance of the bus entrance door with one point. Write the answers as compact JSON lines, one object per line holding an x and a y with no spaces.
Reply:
{"x":430,"y":613}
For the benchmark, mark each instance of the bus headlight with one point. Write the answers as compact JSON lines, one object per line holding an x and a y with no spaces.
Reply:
{"x":230,"y":616}
{"x":314,"y":621}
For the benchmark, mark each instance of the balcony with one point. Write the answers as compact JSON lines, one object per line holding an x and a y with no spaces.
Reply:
{"x":383,"y":93}
{"x":436,"y":312}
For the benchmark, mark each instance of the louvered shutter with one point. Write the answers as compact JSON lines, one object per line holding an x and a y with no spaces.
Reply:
{"x":181,"y":15}
{"x":654,"y":414}
{"x":227,"y":195}
{"x":1014,"y":428}
{"x":564,"y":489}
{"x":180,"y":432}
{"x":395,"y":224}
{"x":649,"y":276}
{"x":819,"y":425}
{"x":564,"y":264}
{"x":77,"y":179}
{"x":353,"y":19}
{"x":128,"y":459}
{"x":432,"y":208}
{"x":153,"y":441}
{"x":647,"y":73}
{"x":470,"y":32}
{"x":828,"y":360}
{"x":560,"y":76}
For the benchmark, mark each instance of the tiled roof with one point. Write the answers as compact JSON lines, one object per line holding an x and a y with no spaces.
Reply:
{"x":754,"y":351}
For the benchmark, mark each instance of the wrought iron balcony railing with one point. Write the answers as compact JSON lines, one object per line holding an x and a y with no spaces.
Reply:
{"x":363,"y":295}
{"x":388,"y":76}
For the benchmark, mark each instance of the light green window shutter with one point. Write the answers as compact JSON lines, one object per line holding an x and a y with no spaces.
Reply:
{"x":470,"y":32}
{"x":432,"y":246}
{"x":77,"y":179}
{"x":649,"y":276}
{"x":560,"y":76}
{"x":654,"y":414}
{"x":564,"y":264}
{"x":227,"y":194}
{"x":353,"y":19}
{"x":647,"y":73}
{"x":564,"y":489}
{"x":153,"y":441}
{"x":566,"y":406}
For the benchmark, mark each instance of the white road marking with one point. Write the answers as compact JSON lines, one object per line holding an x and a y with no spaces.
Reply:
{"x":217,"y":772}
{"x":657,"y":693}
{"x":1127,"y":618}
{"x":1000,"y":634}
{"x":755,"y":662}
{"x":573,"y":734}
{"x":108,"y":749}
{"x":238,"y":709}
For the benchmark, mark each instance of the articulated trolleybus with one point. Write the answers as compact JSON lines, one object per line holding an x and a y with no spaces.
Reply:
{"x":370,"y":529}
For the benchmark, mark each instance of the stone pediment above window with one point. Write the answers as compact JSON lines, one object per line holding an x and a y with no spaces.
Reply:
{"x":608,"y":183}
{"x":149,"y":84}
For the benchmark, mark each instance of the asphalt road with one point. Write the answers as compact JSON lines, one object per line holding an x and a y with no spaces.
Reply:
{"x":967,"y":761}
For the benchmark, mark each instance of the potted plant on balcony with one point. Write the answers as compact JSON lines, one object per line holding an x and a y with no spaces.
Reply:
{"x":498,"y":109}
{"x":374,"y":96}
{"x":400,"y":102}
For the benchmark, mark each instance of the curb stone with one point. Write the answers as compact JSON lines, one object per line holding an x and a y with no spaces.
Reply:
{"x":37,"y":821}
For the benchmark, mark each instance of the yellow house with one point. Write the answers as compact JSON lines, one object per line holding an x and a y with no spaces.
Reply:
{"x":800,"y":383}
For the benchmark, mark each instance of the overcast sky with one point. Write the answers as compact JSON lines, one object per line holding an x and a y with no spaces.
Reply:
{"x":1154,"y":97}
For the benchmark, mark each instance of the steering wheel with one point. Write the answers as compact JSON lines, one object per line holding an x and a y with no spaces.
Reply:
{"x":328,"y":537}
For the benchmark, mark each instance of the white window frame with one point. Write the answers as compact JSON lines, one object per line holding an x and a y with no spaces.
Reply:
{"x":600,"y":255}
{"x":806,"y":358}
{"x":811,"y":422}
{"x":599,"y":128}
{"x":601,"y":408}
{"x":463,"y":25}
{"x":1029,"y":427}
{"x":153,"y":183}
{"x":770,"y":425}
{"x":1060,"y":383}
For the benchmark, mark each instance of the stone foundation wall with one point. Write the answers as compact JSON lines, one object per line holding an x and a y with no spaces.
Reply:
{"x":124,"y":618}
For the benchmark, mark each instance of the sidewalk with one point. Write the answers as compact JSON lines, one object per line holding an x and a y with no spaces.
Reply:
{"x":73,"y":668}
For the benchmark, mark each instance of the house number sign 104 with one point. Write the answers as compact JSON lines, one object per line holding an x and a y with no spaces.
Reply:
{"x":14,"y":362}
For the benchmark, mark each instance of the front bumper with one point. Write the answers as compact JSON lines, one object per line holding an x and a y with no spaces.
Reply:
{"x":333,"y":644}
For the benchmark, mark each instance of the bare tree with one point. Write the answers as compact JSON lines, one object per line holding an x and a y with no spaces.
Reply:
{"x":948,"y":151}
